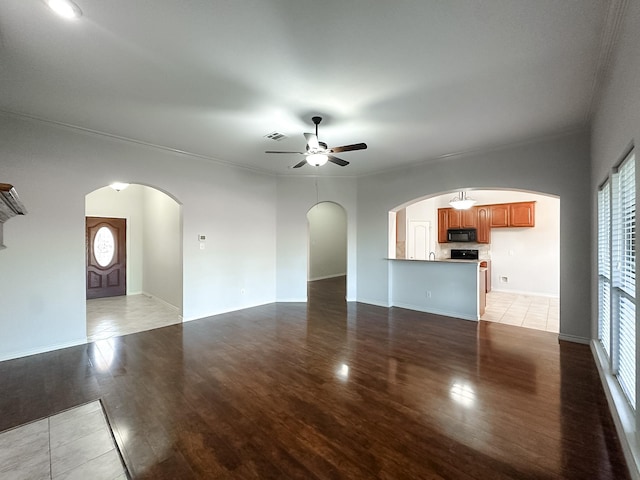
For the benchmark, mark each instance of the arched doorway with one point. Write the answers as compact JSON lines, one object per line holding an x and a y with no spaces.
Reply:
{"x":153,"y":294}
{"x":524,"y":262}
{"x":327,"y":250}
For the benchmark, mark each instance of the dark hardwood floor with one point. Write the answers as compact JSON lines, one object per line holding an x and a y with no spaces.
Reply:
{"x":332,"y":389}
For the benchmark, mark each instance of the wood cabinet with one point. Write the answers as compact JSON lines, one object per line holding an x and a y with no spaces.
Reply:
{"x":443,"y":224}
{"x":499,"y":215}
{"x":469,"y":218}
{"x":522,"y":214}
{"x":486,"y":265}
{"x":483,"y":220}
{"x":476,"y":217}
{"x":455,"y":219}
{"x":482,"y":291}
{"x":485,"y":217}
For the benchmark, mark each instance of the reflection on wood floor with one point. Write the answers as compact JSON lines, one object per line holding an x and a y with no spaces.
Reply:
{"x":333,"y":389}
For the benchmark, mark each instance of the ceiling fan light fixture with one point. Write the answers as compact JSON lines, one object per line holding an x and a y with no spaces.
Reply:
{"x":65,"y":8}
{"x":462,"y":202}
{"x":317,"y":159}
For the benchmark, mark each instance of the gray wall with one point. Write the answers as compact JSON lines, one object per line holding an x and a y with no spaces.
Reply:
{"x":558,"y":167}
{"x":162,"y":248}
{"x":296,"y":195}
{"x":42,"y":289}
{"x":616,"y":127}
{"x":256,"y":224}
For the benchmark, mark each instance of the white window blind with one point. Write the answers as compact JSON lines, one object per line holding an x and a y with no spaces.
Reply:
{"x":623,"y":227}
{"x":604,"y":267}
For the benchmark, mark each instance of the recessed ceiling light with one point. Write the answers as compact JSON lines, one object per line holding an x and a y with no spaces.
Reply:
{"x":65,"y":8}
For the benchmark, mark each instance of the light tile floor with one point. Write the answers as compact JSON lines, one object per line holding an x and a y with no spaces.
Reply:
{"x":116,"y":316}
{"x":75,"y":444}
{"x":529,"y":311}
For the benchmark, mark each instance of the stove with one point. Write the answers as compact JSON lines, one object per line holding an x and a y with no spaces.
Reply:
{"x":464,"y":254}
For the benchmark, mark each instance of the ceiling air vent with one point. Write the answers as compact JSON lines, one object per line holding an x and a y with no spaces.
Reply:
{"x":275,"y":136}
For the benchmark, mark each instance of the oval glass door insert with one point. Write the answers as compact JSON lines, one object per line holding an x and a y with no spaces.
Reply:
{"x":104,"y":246}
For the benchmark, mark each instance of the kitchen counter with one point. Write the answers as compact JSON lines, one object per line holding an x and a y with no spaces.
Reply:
{"x":447,"y":260}
{"x":443,"y":286}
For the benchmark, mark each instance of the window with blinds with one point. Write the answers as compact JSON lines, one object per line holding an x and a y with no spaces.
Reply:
{"x":617,"y":275}
{"x":604,"y":267}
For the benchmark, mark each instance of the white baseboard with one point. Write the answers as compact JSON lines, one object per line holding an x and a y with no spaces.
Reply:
{"x":36,"y":351}
{"x":574,"y":339}
{"x":435,"y":311}
{"x":292,"y":300}
{"x":228,"y":310}
{"x":158,"y":299}
{"x":377,"y":303}
{"x":520,"y":292}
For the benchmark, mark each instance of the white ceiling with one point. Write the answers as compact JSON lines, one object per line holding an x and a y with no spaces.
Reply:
{"x":414,"y":79}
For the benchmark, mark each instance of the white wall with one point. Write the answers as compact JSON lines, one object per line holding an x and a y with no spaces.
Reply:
{"x":558,"y":166}
{"x":42,"y":289}
{"x":106,"y":202}
{"x":162,"y":248}
{"x":327,"y":241}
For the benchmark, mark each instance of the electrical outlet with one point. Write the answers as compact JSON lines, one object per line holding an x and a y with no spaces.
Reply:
{"x":242,"y":291}
{"x":428,"y":293}
{"x":504,"y":279}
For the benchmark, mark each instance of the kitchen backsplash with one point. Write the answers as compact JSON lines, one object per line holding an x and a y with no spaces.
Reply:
{"x":443,"y":250}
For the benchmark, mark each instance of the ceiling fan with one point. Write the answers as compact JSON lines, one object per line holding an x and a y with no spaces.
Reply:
{"x":317,"y":153}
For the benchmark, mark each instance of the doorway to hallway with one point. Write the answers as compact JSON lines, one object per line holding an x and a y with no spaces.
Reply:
{"x":327,"y":251}
{"x":153,"y":252}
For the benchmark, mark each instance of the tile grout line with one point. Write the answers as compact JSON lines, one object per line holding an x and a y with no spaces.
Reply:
{"x":49,"y":442}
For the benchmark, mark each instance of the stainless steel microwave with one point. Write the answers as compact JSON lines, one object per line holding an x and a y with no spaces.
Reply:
{"x":461,"y":235}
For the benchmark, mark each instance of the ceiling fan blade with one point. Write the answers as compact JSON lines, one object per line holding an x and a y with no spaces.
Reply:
{"x":312,"y":141}
{"x":338,"y":161}
{"x":298,"y":165}
{"x":348,"y":148}
{"x":275,"y":151}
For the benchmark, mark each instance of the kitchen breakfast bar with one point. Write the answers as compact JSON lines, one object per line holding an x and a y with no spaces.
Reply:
{"x":454,"y":288}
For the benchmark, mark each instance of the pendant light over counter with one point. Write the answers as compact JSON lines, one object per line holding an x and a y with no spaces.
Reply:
{"x":462,"y":202}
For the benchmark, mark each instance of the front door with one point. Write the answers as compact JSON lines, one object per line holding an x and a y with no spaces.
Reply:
{"x":106,"y":257}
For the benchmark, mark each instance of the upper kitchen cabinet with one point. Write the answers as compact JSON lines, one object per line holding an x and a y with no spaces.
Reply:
{"x":476,"y":217}
{"x":499,"y":215}
{"x":454,"y":219}
{"x":468,"y":218}
{"x":520,"y":214}
{"x":443,"y":224}
{"x":483,"y":218}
